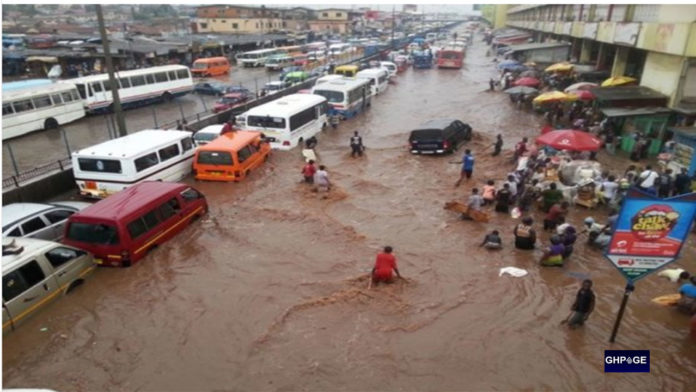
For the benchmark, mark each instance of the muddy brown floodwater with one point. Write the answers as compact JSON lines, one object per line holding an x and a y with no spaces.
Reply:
{"x":269,"y":292}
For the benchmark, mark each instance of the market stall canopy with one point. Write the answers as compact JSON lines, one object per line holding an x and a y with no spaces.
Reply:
{"x":530,"y":73}
{"x":571,"y":140}
{"x":559,"y":67}
{"x":624,"y":96}
{"x":580,"y":86}
{"x":529,"y":82}
{"x":554,"y":96}
{"x":521,"y":90}
{"x":631,"y":112}
{"x":506,"y":63}
{"x":618,"y":81}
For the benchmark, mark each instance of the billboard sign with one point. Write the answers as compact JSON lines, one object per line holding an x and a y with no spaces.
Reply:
{"x":650,"y":232}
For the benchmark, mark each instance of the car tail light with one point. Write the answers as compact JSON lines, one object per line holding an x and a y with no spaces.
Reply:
{"x":125,"y":255}
{"x":286,"y":143}
{"x":445,"y":144}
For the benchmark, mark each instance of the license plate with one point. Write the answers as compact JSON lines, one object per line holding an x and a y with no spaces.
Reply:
{"x":99,"y":261}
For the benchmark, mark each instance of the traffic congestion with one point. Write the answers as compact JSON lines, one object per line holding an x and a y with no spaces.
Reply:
{"x":240,"y":255}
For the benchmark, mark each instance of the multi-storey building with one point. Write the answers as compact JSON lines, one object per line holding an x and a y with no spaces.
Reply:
{"x":332,"y":20}
{"x":656,"y":43}
{"x":238,"y":19}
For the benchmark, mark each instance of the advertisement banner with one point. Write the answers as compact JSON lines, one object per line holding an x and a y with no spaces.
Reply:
{"x":650,"y":232}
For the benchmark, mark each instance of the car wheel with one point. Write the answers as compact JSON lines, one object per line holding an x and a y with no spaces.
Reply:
{"x":167,"y":97}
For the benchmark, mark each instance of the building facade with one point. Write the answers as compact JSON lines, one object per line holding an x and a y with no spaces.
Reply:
{"x":238,"y":20}
{"x":332,"y":20}
{"x":655,"y":43}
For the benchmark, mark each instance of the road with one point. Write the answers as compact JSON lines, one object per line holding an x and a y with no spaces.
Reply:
{"x":42,"y":147}
{"x":269,"y":292}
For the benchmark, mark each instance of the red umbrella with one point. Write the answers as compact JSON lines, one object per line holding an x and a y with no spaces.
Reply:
{"x":569,"y":139}
{"x":529,"y":82}
{"x":585,"y":95}
{"x":546,"y":129}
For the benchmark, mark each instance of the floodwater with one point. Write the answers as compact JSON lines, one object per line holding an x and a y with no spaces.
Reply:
{"x":269,"y":292}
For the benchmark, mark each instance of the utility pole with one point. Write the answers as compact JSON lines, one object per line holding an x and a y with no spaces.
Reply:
{"x":393,"y":23}
{"x":118,"y":112}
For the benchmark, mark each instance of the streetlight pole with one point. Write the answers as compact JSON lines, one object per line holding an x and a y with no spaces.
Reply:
{"x":393,"y":23}
{"x":118,"y":112}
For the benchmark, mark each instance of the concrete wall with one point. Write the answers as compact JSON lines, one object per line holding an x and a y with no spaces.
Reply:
{"x":41,"y":190}
{"x":661,"y":73}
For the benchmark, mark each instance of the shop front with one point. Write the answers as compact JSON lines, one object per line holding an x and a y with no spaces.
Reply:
{"x":631,"y":124}
{"x":685,"y":145}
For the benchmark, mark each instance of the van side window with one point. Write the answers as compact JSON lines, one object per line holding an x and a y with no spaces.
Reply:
{"x":58,"y":215}
{"x":60,"y":256}
{"x":12,"y":285}
{"x":168,"y":152}
{"x":243,"y":154}
{"x":172,"y":75}
{"x":186,"y":144}
{"x":151,"y":219}
{"x":182,"y":73}
{"x":15,"y":233}
{"x":191,"y":194}
{"x":33,"y":225}
{"x":150,"y":78}
{"x":136,"y":228}
{"x":145,"y":162}
{"x":169,"y":209}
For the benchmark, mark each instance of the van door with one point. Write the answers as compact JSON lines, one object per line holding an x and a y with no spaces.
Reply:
{"x":24,"y":289}
{"x":68,"y":263}
{"x":245,"y":159}
{"x":38,"y":227}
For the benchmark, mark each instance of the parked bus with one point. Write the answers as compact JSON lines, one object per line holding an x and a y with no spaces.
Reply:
{"x":22,"y":84}
{"x":149,"y":155}
{"x":346,"y":97}
{"x":278,"y":62}
{"x":287,"y":121}
{"x":42,"y":106}
{"x":255,"y":58}
{"x":339,"y":49}
{"x":450,"y":57}
{"x":137,"y":87}
{"x":378,"y":77}
{"x":121,"y":229}
{"x":290,"y":50}
{"x":211,"y":66}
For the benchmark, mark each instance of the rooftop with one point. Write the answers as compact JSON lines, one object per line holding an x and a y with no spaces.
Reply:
{"x":129,"y":200}
{"x":626,"y":93}
{"x":133,"y":144}
{"x":534,"y":46}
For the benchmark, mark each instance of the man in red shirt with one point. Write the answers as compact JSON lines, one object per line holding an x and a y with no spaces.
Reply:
{"x":520,"y":148}
{"x":555,"y":213}
{"x":308,"y":172}
{"x":384,"y":266}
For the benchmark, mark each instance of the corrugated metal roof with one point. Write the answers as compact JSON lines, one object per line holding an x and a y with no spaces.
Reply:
{"x":535,"y":46}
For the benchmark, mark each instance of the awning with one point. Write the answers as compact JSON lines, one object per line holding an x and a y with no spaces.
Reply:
{"x":43,"y":59}
{"x":630,"y":112}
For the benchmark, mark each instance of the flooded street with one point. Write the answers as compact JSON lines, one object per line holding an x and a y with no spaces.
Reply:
{"x":269,"y":292}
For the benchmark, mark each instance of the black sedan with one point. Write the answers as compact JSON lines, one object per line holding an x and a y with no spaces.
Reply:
{"x":210,"y":88}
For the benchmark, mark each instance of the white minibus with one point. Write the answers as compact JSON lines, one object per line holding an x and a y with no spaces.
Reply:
{"x":287,"y":121}
{"x":256,"y":58}
{"x":149,"y":155}
{"x":137,"y":87}
{"x":379,"y":79}
{"x":347,"y":97}
{"x":39,"y":107}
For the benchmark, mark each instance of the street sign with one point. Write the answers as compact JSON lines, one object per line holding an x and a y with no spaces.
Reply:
{"x":649,"y":233}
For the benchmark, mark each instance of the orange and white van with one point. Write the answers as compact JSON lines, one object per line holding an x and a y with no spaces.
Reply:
{"x":210,"y":66}
{"x":230,"y":157}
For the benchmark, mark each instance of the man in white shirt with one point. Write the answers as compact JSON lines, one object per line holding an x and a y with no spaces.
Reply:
{"x":321,"y":179}
{"x":647,"y":178}
{"x":609,"y":189}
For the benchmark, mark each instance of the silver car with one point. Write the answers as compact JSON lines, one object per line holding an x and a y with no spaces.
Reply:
{"x":43,"y":221}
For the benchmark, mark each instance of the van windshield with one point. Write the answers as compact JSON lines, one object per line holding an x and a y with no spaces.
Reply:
{"x":331,"y":96}
{"x":426,"y":134}
{"x":205,"y":136}
{"x":93,"y":233}
{"x":215,"y":158}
